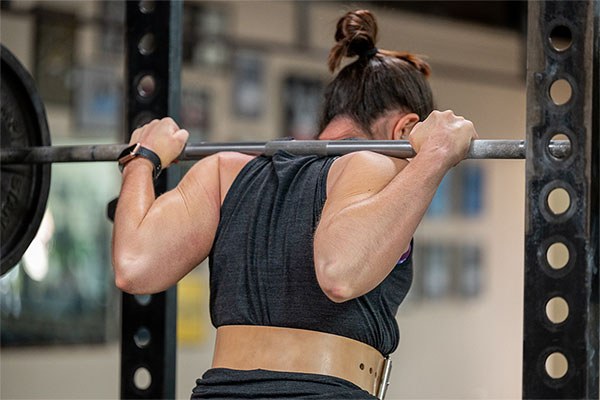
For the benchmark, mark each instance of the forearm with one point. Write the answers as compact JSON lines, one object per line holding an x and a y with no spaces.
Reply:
{"x":136,"y":197}
{"x":356,"y":248}
{"x":135,"y":200}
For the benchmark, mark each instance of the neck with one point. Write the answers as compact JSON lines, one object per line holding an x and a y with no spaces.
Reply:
{"x":342,"y":128}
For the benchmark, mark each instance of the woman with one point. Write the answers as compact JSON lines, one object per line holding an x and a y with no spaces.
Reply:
{"x":309,"y":256}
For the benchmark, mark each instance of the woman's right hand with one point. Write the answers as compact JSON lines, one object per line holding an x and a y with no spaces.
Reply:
{"x":444,"y":133}
{"x":164,"y":137}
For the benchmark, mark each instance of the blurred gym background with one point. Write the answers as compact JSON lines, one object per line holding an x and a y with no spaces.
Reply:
{"x":255,"y":70}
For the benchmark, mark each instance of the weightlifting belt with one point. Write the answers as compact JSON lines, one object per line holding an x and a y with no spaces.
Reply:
{"x":245,"y":347}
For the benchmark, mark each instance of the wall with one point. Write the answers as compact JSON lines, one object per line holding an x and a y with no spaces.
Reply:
{"x":449,"y":349}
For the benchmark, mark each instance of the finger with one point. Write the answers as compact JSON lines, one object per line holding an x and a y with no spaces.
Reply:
{"x":151,"y":124}
{"x":170,"y":125}
{"x":182,"y":135}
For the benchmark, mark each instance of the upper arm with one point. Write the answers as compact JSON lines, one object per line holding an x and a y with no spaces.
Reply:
{"x":354,"y":223}
{"x":185,"y":219}
{"x":196,"y":202}
{"x":177,"y":231}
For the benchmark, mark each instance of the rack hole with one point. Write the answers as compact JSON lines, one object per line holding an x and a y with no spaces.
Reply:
{"x":557,"y":151}
{"x":559,"y":201}
{"x":557,"y":310}
{"x":142,"y":337}
{"x":560,"y":91}
{"x":147,"y":6}
{"x":146,"y":86}
{"x":557,"y":255}
{"x":557,"y":365}
{"x":561,"y":38}
{"x":143,"y":299}
{"x":146,"y":45}
{"x":142,"y":379}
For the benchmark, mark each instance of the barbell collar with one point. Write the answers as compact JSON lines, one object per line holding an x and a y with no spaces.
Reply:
{"x":479,"y":149}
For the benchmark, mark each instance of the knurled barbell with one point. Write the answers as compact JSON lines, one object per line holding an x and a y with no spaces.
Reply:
{"x":26,"y":155}
{"x":479,"y":149}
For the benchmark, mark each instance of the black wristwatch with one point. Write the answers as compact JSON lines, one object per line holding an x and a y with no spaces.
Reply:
{"x":136,"y":150}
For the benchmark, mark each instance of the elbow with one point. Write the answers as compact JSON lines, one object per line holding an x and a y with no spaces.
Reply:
{"x":126,"y":277}
{"x":338,"y":294}
{"x":333,"y":285}
{"x":124,"y":281}
{"x":124,"y":284}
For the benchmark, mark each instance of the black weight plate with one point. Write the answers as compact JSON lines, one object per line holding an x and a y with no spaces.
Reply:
{"x":24,"y":188}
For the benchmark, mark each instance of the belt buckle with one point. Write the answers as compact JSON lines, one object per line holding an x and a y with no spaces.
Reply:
{"x":385,"y":378}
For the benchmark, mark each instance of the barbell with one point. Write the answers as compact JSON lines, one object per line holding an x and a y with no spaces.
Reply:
{"x":26,"y":156}
{"x":479,"y":149}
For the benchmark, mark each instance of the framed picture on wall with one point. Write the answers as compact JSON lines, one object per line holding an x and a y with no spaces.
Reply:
{"x":54,"y":54}
{"x":472,"y":181}
{"x":436,"y":271}
{"x":248,"y":84}
{"x":302,"y":98}
{"x":205,"y":41}
{"x":98,"y":99}
{"x":195,"y":113}
{"x":113,"y":26}
{"x":442,"y":203}
{"x":469,"y":271}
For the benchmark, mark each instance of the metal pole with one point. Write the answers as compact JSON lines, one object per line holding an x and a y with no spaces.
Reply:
{"x":148,"y":324}
{"x":480,"y":149}
{"x":560,"y":349}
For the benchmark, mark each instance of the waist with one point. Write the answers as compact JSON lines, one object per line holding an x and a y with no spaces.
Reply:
{"x":245,"y":347}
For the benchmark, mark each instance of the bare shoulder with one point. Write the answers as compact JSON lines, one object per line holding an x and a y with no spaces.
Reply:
{"x":364,"y":169}
{"x":230,"y":165}
{"x":213,"y":175}
{"x":223,"y":163}
{"x":233,"y":162}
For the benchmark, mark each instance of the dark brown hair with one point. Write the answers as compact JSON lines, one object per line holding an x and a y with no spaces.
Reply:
{"x":377,"y":81}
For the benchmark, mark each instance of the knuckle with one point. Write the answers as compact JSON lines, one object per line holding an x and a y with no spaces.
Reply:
{"x":172,"y":124}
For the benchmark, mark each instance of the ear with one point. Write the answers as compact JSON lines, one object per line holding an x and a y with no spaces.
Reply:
{"x":404,"y":125}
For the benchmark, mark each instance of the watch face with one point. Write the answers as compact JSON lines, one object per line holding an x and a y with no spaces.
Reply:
{"x":126,"y":158}
{"x":136,"y":150}
{"x":128,"y":154}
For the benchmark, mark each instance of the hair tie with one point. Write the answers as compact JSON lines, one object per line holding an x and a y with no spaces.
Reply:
{"x":371,"y":52}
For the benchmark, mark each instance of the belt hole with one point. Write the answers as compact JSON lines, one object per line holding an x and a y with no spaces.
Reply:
{"x":361,"y":366}
{"x":370,"y":371}
{"x":375,"y":374}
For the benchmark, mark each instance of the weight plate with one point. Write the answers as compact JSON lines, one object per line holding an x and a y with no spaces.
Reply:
{"x":24,"y":188}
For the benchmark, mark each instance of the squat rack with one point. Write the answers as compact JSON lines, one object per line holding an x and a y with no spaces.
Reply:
{"x":575,"y":338}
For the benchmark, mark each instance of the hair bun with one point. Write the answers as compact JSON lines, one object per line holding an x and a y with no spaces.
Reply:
{"x":416,"y":61}
{"x":355,"y":35}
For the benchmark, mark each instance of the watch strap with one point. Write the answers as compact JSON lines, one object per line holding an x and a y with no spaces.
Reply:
{"x":136,"y":150}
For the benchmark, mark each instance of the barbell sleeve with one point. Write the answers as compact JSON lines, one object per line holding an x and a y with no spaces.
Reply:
{"x":479,"y":149}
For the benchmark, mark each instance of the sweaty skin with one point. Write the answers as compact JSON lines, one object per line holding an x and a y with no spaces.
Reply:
{"x":374,"y":205}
